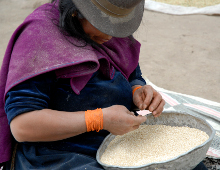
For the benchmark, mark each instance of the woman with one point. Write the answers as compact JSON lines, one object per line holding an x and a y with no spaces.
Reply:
{"x":69,"y":81}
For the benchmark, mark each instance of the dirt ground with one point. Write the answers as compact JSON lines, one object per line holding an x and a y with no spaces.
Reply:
{"x":182,"y":53}
{"x":179,"y":53}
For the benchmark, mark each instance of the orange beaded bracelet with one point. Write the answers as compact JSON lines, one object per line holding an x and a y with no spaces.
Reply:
{"x":94,"y":120}
{"x":135,"y":89}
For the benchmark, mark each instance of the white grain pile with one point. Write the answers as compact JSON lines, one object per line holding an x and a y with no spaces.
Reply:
{"x":152,"y":143}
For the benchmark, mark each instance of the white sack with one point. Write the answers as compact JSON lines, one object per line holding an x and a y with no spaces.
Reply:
{"x":181,"y":10}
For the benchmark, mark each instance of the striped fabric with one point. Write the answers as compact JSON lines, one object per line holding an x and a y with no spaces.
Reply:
{"x":207,"y":110}
{"x":171,"y":101}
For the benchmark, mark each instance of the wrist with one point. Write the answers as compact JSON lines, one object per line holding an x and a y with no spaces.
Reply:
{"x":134,"y":89}
{"x":94,"y":120}
{"x":106,"y":118}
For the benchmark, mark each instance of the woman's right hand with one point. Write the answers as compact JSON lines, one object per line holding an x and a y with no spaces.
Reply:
{"x":118,"y":120}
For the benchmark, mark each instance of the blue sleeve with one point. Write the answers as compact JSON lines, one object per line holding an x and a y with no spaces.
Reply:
{"x":136,"y":77}
{"x":30,"y":95}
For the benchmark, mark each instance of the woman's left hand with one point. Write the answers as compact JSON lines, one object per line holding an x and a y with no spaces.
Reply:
{"x":148,"y":98}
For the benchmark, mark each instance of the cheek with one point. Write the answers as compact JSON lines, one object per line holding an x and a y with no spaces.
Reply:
{"x":89,"y":29}
{"x":94,"y":33}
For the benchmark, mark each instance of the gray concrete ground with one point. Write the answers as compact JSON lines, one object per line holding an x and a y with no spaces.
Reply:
{"x":179,"y":53}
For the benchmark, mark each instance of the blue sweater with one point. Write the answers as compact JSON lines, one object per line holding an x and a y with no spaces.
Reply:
{"x":46,"y":91}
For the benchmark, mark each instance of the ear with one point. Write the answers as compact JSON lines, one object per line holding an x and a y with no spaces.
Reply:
{"x":74,"y":14}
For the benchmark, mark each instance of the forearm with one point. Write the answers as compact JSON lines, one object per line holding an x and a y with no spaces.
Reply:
{"x":50,"y":125}
{"x":47,"y":125}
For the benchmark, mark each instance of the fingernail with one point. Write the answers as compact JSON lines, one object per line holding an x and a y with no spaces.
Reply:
{"x":140,"y":107}
{"x":151,"y":109}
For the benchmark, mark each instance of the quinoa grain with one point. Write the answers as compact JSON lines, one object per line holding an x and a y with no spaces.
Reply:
{"x":152,"y":143}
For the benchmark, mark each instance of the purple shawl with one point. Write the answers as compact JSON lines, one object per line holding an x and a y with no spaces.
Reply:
{"x":37,"y":46}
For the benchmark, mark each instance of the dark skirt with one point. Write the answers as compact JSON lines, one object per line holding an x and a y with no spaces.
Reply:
{"x":41,"y":158}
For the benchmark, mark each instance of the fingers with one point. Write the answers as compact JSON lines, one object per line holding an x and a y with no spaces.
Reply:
{"x":156,"y":100}
{"x":118,"y":120}
{"x":140,"y":119}
{"x":149,"y":99}
{"x":135,"y":127}
{"x":130,"y":113}
{"x":137,"y":121}
{"x":152,"y":99}
{"x":143,"y":98}
{"x":157,"y":112}
{"x":157,"y":104}
{"x":147,"y":96}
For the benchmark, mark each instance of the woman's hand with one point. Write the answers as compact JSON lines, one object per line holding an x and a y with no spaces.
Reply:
{"x":148,"y":98}
{"x":118,"y":120}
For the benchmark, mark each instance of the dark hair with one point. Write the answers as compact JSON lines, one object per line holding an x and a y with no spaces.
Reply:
{"x":71,"y":26}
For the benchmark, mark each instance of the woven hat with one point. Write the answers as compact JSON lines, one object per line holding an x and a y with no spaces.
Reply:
{"x":118,"y":18}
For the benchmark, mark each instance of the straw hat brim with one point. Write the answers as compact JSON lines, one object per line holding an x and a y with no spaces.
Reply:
{"x":114,"y":26}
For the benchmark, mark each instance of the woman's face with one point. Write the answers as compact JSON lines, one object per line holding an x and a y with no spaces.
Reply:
{"x":96,"y":35}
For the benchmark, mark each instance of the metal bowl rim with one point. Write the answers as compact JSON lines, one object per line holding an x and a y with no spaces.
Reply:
{"x":161,"y":162}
